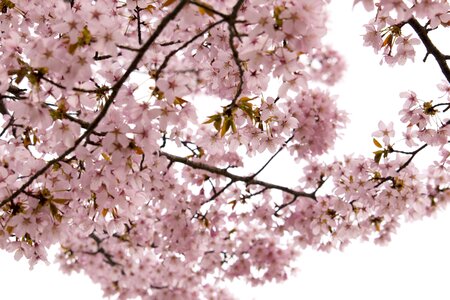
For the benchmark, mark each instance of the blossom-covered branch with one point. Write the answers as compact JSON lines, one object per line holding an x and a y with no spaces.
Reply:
{"x":105,"y":148}
{"x":441,"y":59}
{"x":248,"y":180}
{"x":114,"y":92}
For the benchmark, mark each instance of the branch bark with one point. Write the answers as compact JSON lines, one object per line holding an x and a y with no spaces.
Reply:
{"x":441,"y":59}
{"x":248,"y":180}
{"x":115,"y":91}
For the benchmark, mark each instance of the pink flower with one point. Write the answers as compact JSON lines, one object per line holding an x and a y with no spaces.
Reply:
{"x":385,"y":131}
{"x":372,"y":37}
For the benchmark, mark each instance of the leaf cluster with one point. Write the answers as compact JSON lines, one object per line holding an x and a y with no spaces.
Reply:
{"x":5,"y":5}
{"x":225,"y":120}
{"x":84,"y":39}
{"x":383,"y":152}
{"x":34,"y":75}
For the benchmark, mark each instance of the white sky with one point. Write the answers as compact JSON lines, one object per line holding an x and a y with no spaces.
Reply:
{"x":415,"y":265}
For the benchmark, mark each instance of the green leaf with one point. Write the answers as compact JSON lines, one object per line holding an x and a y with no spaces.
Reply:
{"x":72,"y":48}
{"x":179,"y":101}
{"x":378,"y":155}
{"x":213,"y":118}
{"x":150,"y":8}
{"x":226,"y":125}
{"x":86,"y":37}
{"x":246,"y":99}
{"x":55,"y":212}
{"x":233,"y":126}
{"x":248,"y":109}
{"x":377,"y":143}
{"x":217,"y":124}
{"x":276,"y":15}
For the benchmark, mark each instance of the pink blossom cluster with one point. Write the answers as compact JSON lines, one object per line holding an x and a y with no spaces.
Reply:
{"x":384,"y":31}
{"x":102,"y":151}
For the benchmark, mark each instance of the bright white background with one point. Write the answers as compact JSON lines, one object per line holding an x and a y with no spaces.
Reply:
{"x":415,"y":265}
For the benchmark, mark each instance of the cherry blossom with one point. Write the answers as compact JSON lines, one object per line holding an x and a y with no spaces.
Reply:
{"x":127,"y":128}
{"x":385,"y":131}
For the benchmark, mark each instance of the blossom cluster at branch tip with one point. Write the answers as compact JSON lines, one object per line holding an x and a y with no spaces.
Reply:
{"x":105,"y":152}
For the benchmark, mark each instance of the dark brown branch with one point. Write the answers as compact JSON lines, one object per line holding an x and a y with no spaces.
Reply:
{"x":281,"y":206}
{"x":108,"y":258}
{"x":101,"y":57}
{"x":218,"y":193}
{"x":138,"y":20}
{"x":10,"y":123}
{"x":233,"y":34}
{"x":212,"y":185}
{"x":431,"y":48}
{"x":442,"y":104}
{"x":80,"y":122}
{"x":95,"y":91}
{"x":170,"y":43}
{"x":413,"y":154}
{"x":273,"y":156}
{"x":278,"y":208}
{"x":115,"y":91}
{"x":404,"y":165}
{"x":248,"y":180}
{"x":3,"y":109}
{"x":17,"y":94}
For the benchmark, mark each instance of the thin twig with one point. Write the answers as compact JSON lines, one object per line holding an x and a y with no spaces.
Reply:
{"x":233,"y":34}
{"x":413,"y":154}
{"x":431,"y":48}
{"x":248,"y":180}
{"x":273,"y":156}
{"x":218,"y":193}
{"x":115,"y":91}
{"x":138,"y":19}
{"x":184,"y":45}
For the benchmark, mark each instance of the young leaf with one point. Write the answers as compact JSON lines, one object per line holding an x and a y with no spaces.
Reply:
{"x":377,"y":143}
{"x":60,"y":201}
{"x":105,"y":212}
{"x":226,"y":125}
{"x":53,"y":209}
{"x":233,"y":203}
{"x":213,"y":118}
{"x":203,"y":11}
{"x":378,"y":155}
{"x":179,"y":101}
{"x":168,"y":3}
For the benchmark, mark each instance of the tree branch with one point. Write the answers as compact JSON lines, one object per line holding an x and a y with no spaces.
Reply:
{"x":218,"y":193}
{"x":138,"y":20}
{"x":232,"y":34}
{"x":431,"y":48}
{"x":248,"y":180}
{"x":273,"y":156}
{"x":184,"y":45}
{"x":115,"y":91}
{"x":107,"y":256}
{"x":413,"y":154}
